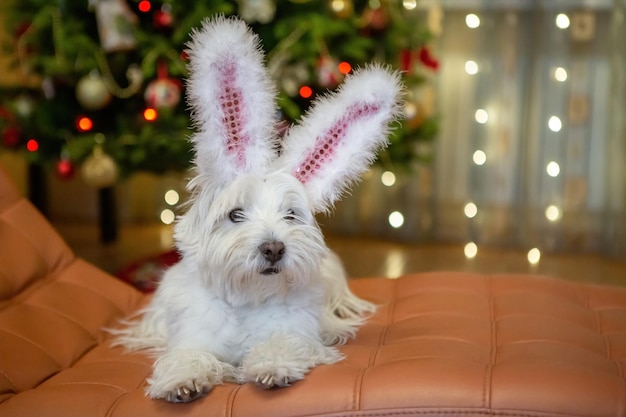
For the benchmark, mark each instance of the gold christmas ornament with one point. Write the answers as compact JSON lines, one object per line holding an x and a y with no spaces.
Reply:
{"x":92,"y":93}
{"x":342,"y":8}
{"x":99,"y":170}
{"x":24,"y":105}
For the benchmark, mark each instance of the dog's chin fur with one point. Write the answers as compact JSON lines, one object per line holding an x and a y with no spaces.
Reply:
{"x":226,"y":313}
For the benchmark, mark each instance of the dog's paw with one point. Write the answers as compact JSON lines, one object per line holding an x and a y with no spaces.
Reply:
{"x":185,"y":394}
{"x":180,"y":392}
{"x":186,"y":375}
{"x":269,"y":376}
{"x":284,"y":358}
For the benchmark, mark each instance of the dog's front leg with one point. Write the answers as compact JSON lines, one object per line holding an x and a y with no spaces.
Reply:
{"x":284,"y":358}
{"x":183,"y":375}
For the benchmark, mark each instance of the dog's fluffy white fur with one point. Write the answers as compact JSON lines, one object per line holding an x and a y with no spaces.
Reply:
{"x":257,"y":295}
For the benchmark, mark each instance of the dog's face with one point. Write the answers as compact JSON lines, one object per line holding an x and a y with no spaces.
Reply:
{"x":250,"y":231}
{"x":257,"y":237}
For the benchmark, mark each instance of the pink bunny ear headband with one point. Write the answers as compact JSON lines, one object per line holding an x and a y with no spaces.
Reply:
{"x":233,"y":106}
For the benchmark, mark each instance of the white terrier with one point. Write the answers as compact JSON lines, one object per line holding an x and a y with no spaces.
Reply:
{"x":257,"y":295}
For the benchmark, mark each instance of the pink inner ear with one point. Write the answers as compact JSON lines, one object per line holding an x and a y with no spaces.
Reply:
{"x":326,"y":144}
{"x":232,"y":102}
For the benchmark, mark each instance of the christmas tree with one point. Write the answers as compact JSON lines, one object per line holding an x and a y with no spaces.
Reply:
{"x":109,"y":96}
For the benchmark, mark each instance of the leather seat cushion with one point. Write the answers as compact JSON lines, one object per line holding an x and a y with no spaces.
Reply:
{"x":440,"y":344}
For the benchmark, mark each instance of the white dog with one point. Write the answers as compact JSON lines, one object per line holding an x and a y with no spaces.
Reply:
{"x":257,"y":295}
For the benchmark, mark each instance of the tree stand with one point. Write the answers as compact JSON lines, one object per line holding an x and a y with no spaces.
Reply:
{"x":107,"y":215}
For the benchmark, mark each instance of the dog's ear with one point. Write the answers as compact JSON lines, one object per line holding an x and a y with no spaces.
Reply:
{"x":232,"y":102}
{"x":337,"y":139}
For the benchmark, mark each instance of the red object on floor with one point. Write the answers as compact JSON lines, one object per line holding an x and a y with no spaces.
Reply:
{"x":145,"y":274}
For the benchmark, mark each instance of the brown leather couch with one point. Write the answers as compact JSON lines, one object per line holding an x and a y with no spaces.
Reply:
{"x":441,"y":344}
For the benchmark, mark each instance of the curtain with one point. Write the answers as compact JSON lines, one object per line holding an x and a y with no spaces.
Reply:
{"x":532,"y":145}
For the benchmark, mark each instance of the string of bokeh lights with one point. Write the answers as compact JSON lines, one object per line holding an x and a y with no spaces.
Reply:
{"x":479,"y":157}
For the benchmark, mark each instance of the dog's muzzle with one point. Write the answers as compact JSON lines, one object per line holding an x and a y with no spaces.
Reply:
{"x":272,"y":252}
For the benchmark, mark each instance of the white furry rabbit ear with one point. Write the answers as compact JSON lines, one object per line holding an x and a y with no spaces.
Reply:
{"x":232,"y":101}
{"x":338,"y":138}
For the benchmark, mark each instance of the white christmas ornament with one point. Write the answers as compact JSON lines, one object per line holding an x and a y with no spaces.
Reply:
{"x":115,"y":24}
{"x":92,"y":93}
{"x":99,"y":170}
{"x":261,"y":11}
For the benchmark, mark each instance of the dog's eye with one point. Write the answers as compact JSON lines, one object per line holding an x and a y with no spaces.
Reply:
{"x":290,"y":216}
{"x":236,"y":215}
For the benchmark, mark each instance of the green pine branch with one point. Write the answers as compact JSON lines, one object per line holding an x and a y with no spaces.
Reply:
{"x":59,"y":42}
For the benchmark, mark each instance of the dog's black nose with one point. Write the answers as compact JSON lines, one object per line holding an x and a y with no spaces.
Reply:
{"x":273,"y":250}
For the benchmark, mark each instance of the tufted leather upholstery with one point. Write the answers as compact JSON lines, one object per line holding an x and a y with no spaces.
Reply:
{"x":441,"y":344}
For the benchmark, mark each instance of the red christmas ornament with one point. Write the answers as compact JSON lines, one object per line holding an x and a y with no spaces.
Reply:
{"x":164,"y":92}
{"x":163,"y":18}
{"x":328,"y":75}
{"x":11,"y":133}
{"x":406,"y":60}
{"x":408,"y":57}
{"x":65,"y":169}
{"x":427,"y":58}
{"x":21,"y":29}
{"x":11,"y":136}
{"x":375,"y":21}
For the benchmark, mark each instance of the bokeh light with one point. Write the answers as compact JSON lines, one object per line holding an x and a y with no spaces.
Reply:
{"x":534,"y":255}
{"x":84,"y":124}
{"x":172,"y":197}
{"x":306,"y":91}
{"x":396,"y":219}
{"x":553,"y":213}
{"x":32,"y":145}
{"x":471,"y":67}
{"x":470,"y":250}
{"x":470,"y":210}
{"x":553,"y":169}
{"x":479,"y":157}
{"x":344,"y":67}
{"x":388,"y":178}
{"x":150,"y":114}
{"x":472,"y":21}
{"x":481,"y":116}
{"x":562,"y":21}
{"x":168,"y":216}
